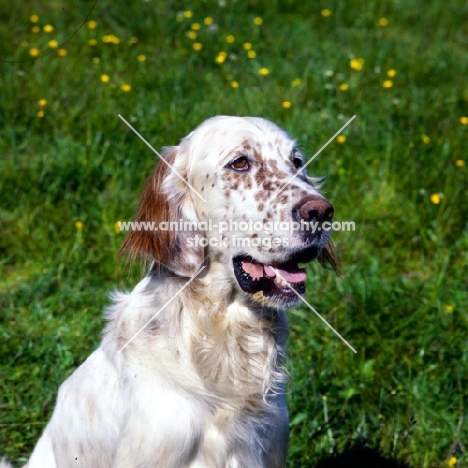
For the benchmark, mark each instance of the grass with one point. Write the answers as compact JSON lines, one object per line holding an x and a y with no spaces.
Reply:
{"x":400,"y":175}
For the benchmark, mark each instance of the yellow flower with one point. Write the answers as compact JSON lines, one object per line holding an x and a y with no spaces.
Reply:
{"x":230,"y":38}
{"x":459,"y":162}
{"x":326,"y":13}
{"x":263,"y":71}
{"x":40,"y":113}
{"x":247,"y":45}
{"x":286,"y":104}
{"x":42,"y":102}
{"x":221,"y":57}
{"x":387,"y":84}
{"x":96,"y":60}
{"x":91,"y":24}
{"x":258,"y":21}
{"x":92,"y":42}
{"x":234,"y":84}
{"x":117,"y":227}
{"x":425,"y":139}
{"x":449,"y":308}
{"x":33,"y":52}
{"x":251,"y":54}
{"x":356,"y":64}
{"x":53,"y":44}
{"x":197,"y":46}
{"x":34,"y":18}
{"x":191,"y":35}
{"x":391,"y":73}
{"x":343,"y":87}
{"x":196,"y":26}
{"x":464,"y":120}
{"x":62,"y":52}
{"x":48,"y":28}
{"x":452,"y":462}
{"x":340,"y":138}
{"x":35,"y":29}
{"x":383,"y":22}
{"x":110,"y":39}
{"x":125,"y":87}
{"x":79,"y":225}
{"x":296,"y":82}
{"x":105,"y":78}
{"x":435,"y":198}
{"x":141,"y":58}
{"x":188,"y":13}
{"x":208,"y":21}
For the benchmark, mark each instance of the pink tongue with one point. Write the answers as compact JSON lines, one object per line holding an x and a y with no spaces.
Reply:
{"x":298,"y":276}
{"x":269,"y":271}
{"x":257,"y":271}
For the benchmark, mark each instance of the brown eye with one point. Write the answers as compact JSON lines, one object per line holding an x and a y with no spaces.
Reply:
{"x":240,"y":164}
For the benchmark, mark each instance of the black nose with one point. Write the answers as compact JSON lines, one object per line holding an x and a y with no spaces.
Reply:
{"x":314,"y":208}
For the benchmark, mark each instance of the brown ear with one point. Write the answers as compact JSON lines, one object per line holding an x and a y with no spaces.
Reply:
{"x":166,"y":244}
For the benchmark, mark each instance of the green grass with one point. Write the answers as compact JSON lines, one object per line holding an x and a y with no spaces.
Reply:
{"x":402,"y":298}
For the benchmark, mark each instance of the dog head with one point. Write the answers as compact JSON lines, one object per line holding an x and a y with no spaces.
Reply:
{"x":234,"y":192}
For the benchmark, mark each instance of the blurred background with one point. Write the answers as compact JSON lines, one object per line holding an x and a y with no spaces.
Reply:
{"x":70,"y":169}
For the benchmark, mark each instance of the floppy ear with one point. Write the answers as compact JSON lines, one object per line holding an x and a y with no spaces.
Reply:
{"x":165,"y":200}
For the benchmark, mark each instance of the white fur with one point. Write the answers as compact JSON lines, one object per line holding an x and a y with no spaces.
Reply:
{"x":202,"y":386}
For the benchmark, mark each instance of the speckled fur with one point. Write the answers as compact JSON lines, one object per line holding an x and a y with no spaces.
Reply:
{"x":202,"y":386}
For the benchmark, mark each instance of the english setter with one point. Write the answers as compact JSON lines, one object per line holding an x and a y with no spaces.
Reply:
{"x":190,"y":372}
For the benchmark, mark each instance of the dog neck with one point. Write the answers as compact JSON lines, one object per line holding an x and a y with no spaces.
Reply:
{"x":235,"y":348}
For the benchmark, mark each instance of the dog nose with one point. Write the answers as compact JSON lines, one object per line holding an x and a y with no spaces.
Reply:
{"x":314,"y":209}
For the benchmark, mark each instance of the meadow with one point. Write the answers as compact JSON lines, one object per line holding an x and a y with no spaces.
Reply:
{"x":70,"y":169}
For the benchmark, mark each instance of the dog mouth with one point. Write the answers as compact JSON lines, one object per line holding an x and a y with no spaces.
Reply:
{"x":279,"y":280}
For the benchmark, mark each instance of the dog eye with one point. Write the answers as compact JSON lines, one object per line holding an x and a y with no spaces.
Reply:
{"x":240,"y":164}
{"x":297,"y":163}
{"x":297,"y":159}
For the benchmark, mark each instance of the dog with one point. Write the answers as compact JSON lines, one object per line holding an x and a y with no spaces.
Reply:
{"x":190,"y":371}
